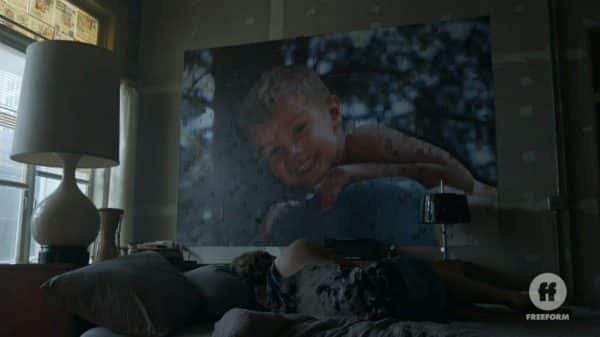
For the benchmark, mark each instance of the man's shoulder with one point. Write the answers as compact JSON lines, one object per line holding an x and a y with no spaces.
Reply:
{"x":295,"y":256}
{"x":301,"y":248}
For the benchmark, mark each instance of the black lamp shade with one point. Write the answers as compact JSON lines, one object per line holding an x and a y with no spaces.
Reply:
{"x":445,"y":208}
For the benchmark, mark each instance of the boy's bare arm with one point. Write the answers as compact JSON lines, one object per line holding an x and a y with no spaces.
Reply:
{"x":414,"y":158}
{"x":341,"y":176}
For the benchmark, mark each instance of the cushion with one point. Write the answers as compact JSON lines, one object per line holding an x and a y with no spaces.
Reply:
{"x":221,"y":289}
{"x":138,"y":295}
{"x":101,"y":332}
{"x":196,"y":330}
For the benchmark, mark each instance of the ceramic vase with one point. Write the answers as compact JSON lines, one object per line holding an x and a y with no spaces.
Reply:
{"x":108,"y":237}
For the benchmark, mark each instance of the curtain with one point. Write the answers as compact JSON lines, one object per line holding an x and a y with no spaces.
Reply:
{"x":121,"y":179}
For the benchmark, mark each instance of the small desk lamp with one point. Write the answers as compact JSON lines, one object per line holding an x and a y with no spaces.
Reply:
{"x":68,"y":117}
{"x":445,"y":209}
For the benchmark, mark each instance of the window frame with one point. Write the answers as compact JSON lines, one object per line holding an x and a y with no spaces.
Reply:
{"x":20,"y":42}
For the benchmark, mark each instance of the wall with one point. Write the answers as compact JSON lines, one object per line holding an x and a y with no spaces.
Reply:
{"x":166,"y":32}
{"x":519,"y":239}
{"x":581,"y":129}
{"x":121,"y":30}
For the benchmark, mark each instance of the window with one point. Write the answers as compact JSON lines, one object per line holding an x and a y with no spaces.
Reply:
{"x":49,"y":20}
{"x":13,"y":182}
{"x":23,"y":186}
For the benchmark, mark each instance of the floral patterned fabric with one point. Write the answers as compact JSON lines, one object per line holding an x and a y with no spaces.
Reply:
{"x":402,"y":288}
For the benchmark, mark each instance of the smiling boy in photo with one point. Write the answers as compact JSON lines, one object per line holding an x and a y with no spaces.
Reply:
{"x":295,"y":122}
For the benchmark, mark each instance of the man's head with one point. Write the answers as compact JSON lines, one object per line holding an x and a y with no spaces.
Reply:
{"x":253,"y":266}
{"x":295,"y":122}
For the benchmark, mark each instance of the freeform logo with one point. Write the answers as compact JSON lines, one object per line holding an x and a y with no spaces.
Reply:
{"x":548,"y":317}
{"x":548,"y":292}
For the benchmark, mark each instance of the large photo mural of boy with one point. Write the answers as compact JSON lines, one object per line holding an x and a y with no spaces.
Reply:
{"x":334,"y":136}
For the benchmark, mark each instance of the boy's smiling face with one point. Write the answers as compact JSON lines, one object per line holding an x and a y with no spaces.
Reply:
{"x":301,"y":140}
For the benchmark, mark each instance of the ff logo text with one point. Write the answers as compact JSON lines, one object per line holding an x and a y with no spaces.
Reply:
{"x":548,"y":292}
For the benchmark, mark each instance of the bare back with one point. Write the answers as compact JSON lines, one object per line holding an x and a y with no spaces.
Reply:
{"x":300,"y":254}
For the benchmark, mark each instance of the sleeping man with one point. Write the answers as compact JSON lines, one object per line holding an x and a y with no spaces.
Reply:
{"x":308,"y":279}
{"x":295,"y":123}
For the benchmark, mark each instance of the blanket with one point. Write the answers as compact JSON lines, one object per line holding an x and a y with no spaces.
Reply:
{"x":403,"y":287}
{"x":245,"y":323}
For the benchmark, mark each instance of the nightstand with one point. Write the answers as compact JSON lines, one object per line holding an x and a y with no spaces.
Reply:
{"x":26,"y":311}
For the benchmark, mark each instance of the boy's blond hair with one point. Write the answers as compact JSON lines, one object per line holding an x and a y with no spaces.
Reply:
{"x":278,"y":83}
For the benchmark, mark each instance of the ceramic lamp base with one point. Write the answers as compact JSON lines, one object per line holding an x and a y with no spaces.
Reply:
{"x":64,"y":254}
{"x":66,"y":217}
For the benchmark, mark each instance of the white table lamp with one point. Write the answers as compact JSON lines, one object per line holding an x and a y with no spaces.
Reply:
{"x":68,"y":117}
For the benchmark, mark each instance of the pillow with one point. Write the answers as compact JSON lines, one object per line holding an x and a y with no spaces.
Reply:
{"x":139,"y":295}
{"x":195,"y":330}
{"x":221,"y":289}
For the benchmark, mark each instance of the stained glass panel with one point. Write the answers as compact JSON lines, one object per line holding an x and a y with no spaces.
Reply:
{"x":50,"y":20}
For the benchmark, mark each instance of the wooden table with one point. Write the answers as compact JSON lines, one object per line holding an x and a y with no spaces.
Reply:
{"x":26,"y":311}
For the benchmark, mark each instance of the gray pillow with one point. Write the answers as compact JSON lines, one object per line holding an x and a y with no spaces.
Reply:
{"x":195,"y":330}
{"x":101,"y":332}
{"x":221,"y":289}
{"x":139,"y":295}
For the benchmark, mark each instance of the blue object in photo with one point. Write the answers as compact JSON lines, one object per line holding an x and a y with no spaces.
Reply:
{"x":383,"y":209}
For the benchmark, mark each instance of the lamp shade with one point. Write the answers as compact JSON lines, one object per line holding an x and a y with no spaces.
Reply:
{"x":69,"y":104}
{"x":445,"y":208}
